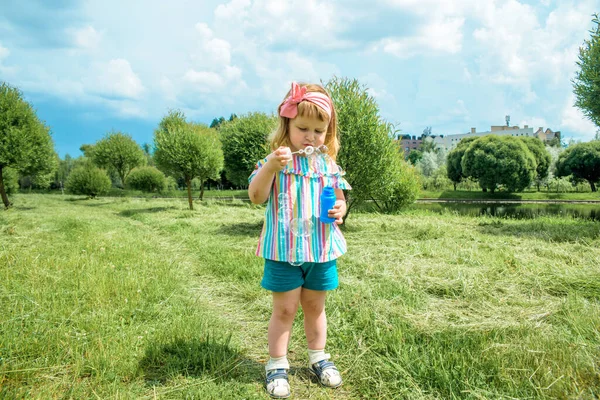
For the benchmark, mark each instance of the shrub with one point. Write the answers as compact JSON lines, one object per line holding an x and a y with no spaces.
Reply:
{"x":88,"y":180}
{"x":171,"y":183}
{"x":146,"y":179}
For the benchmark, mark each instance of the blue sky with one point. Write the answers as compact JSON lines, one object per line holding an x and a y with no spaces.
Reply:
{"x":92,"y":66}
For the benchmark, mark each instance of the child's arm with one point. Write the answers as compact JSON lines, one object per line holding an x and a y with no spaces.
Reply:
{"x":339,"y":208}
{"x":260,"y":187}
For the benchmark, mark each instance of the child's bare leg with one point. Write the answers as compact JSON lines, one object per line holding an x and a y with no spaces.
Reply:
{"x":285,"y":306}
{"x":315,"y":328}
{"x":315,"y":321}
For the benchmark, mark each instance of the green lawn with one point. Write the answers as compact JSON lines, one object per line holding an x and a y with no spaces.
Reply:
{"x":142,"y":298}
{"x":527,"y":195}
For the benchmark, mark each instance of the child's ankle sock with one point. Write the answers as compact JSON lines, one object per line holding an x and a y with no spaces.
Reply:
{"x":277,"y":363}
{"x":315,"y":356}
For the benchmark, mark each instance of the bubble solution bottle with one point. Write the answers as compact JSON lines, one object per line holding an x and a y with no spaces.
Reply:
{"x":327,"y":202}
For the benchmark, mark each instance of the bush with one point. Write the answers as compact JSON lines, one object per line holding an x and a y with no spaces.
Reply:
{"x":88,"y":180}
{"x":171,"y":183}
{"x":11,"y":180}
{"x":146,"y":179}
{"x":401,"y":187}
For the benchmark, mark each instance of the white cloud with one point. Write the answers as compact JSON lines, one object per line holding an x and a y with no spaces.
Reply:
{"x":442,"y":36}
{"x":575,"y":122}
{"x":115,"y":79}
{"x":85,"y":38}
{"x":519,"y":49}
{"x":234,"y":9}
{"x":293,"y":23}
{"x":212,"y":52}
{"x":436,"y":7}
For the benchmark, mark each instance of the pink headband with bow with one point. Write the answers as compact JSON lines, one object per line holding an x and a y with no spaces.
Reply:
{"x":289,"y":107}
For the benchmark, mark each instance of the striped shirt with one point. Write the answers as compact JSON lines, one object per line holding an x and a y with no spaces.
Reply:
{"x":292,"y":231}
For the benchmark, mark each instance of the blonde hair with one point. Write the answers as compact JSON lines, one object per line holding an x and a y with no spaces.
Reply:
{"x":281,"y":137}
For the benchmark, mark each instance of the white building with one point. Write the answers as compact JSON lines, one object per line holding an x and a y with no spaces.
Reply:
{"x":448,"y":142}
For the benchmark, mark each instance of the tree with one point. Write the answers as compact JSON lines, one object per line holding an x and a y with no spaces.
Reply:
{"x":415,"y":156}
{"x":582,"y":161}
{"x":542,"y":158}
{"x":499,"y":160}
{"x":187,"y":150}
{"x":586,"y":84}
{"x":117,"y":151}
{"x":454,"y":161}
{"x":427,"y":145}
{"x":217,"y":122}
{"x":146,"y":179}
{"x":428,"y":164}
{"x":89,"y":180}
{"x":367,"y":151}
{"x":245,"y":141}
{"x":25,"y":142}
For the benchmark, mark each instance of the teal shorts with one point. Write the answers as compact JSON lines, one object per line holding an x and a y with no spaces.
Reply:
{"x":280,"y":276}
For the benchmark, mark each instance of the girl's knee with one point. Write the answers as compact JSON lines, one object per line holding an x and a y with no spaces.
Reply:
{"x":285,"y":311}
{"x":313,"y":307}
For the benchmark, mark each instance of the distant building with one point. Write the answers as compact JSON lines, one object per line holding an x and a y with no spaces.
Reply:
{"x":409,"y":143}
{"x":448,"y":142}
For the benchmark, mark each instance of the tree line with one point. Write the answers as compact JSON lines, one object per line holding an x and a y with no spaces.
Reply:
{"x":185,"y":152}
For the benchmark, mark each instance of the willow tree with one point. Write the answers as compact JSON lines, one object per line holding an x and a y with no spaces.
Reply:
{"x":25,"y":141}
{"x":187,"y":150}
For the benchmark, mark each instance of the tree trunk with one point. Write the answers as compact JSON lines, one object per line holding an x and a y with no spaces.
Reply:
{"x":592,"y":185}
{"x":188,"y":182}
{"x":3,"y":192}
{"x":201,"y":190}
{"x":454,"y":186}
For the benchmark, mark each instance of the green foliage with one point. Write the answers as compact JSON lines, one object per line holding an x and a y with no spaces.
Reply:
{"x":11,"y":180}
{"x":25,"y":142}
{"x":582,"y":161}
{"x":454,"y":161}
{"x":245,"y":140}
{"x":399,"y":188}
{"x":88,"y":180}
{"x":542,"y":157}
{"x":187,"y":150}
{"x":499,"y":160}
{"x":415,"y":156}
{"x":146,"y":179}
{"x":171,"y":183}
{"x":367,"y":153}
{"x":118,"y":152}
{"x":586,"y":84}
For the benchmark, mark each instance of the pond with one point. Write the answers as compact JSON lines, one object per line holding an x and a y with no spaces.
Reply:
{"x":515,"y":210}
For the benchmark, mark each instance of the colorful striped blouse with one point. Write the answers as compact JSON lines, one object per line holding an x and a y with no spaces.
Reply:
{"x":292,"y":230}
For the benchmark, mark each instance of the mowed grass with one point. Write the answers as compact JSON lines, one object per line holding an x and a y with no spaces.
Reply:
{"x":142,"y":298}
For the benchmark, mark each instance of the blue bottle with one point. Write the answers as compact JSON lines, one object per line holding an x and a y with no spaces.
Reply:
{"x":327,"y":203}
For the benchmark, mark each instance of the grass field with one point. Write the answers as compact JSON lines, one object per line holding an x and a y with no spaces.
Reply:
{"x":141,"y":298}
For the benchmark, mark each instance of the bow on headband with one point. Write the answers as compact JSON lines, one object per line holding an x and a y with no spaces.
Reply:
{"x":289,"y":107}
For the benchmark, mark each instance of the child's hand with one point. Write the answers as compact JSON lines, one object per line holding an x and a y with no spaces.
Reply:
{"x":278,"y":159}
{"x":338,"y":211}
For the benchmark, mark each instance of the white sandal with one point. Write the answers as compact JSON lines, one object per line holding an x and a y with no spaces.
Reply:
{"x":277,"y":384}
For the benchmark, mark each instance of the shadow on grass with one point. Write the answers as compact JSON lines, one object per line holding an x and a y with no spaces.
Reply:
{"x":241,"y":229}
{"x":133,"y":212}
{"x":198,"y":358}
{"x":555,"y":231}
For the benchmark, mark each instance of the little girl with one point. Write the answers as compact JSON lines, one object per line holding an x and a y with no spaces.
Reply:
{"x":300,"y":250}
